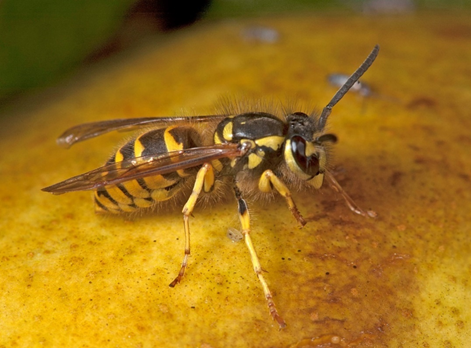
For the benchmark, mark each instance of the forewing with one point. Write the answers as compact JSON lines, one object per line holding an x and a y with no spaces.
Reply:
{"x":93,"y":129}
{"x":141,"y":167}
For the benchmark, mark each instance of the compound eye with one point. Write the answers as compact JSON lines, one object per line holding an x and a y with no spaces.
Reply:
{"x":308,"y":164}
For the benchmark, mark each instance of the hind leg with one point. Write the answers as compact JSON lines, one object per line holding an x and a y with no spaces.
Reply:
{"x":204,"y":179}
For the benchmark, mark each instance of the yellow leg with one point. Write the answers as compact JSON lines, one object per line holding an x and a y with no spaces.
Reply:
{"x":268,"y":181}
{"x":245,"y":223}
{"x":202,"y":179}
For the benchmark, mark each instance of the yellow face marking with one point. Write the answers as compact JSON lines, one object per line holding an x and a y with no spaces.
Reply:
{"x":317,"y":181}
{"x":289,"y":156}
{"x":310,"y":149}
{"x":322,"y":158}
{"x":291,"y":162}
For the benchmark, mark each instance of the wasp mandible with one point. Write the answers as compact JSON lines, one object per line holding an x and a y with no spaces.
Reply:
{"x":250,"y":153}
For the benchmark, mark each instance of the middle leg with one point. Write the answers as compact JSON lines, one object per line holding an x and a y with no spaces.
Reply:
{"x":245,"y":223}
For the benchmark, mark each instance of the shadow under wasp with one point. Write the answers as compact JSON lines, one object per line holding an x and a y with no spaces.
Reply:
{"x":252,"y":152}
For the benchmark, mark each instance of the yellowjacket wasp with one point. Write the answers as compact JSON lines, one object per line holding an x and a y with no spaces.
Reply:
{"x":252,"y":152}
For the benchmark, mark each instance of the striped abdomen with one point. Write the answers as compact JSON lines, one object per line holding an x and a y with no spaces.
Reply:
{"x":143,"y":193}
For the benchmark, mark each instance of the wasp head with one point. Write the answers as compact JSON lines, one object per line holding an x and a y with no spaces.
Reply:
{"x":305,"y":148}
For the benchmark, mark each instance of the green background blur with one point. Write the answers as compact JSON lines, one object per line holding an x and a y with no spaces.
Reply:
{"x":43,"y":41}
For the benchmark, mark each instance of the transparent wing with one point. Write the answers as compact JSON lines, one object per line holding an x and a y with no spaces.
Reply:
{"x":93,"y":129}
{"x":141,"y":167}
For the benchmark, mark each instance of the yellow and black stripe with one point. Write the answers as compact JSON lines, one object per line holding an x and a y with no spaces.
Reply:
{"x":143,"y":193}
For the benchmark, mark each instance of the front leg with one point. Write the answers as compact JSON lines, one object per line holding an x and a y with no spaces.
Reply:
{"x":269,"y":181}
{"x":350,"y":202}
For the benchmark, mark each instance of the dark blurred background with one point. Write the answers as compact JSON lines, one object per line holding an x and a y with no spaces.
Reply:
{"x":43,"y":41}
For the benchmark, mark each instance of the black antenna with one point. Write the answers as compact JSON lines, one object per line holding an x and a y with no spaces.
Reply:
{"x":346,"y":87}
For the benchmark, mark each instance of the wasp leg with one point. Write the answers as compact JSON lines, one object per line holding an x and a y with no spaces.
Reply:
{"x":245,"y":223}
{"x":350,"y":202}
{"x":268,"y":181}
{"x":204,"y":178}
